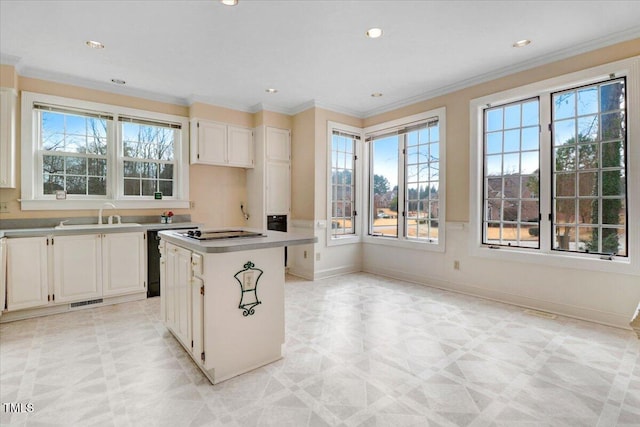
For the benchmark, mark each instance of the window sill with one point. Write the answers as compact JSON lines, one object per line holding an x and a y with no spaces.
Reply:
{"x":70,"y":204}
{"x":558,"y":259}
{"x":343,"y":240}
{"x":408,"y":244}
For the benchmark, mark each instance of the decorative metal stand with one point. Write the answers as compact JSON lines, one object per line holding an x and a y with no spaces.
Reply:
{"x":248,"y":281}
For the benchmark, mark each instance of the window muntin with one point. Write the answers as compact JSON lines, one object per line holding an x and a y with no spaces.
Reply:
{"x":72,"y":151}
{"x":589,"y":173}
{"x":511,"y":159}
{"x":148,"y":157}
{"x":405,"y":181}
{"x":343,"y":188}
{"x":422,"y":162}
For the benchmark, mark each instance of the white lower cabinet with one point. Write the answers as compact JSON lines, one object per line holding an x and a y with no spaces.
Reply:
{"x":77,"y":267}
{"x":181,"y":296}
{"x":123,"y":263}
{"x":73,"y":268}
{"x":27,"y":273}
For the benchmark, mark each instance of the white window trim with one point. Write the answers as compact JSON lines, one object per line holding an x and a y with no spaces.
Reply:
{"x":350,"y":238}
{"x":400,"y":241}
{"x":30,"y":198}
{"x":545,"y":255}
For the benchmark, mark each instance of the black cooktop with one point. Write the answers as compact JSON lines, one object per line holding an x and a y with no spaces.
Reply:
{"x":219,"y":234}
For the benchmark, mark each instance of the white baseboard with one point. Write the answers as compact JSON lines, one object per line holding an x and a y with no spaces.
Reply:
{"x":577,"y":312}
{"x":337,"y":271}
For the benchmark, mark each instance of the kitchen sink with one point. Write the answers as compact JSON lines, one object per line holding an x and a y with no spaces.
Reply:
{"x":95,"y":226}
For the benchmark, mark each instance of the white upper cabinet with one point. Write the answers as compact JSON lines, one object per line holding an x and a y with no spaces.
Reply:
{"x":220,"y":144}
{"x":240,"y":146}
{"x":278,"y":145}
{"x":8,"y":137}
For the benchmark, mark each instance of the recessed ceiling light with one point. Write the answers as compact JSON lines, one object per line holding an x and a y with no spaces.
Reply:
{"x":118,"y":81}
{"x":522,"y":43}
{"x":374,"y":33}
{"x":376,"y":95}
{"x":94,"y":44}
{"x":229,"y":2}
{"x":271,"y":90}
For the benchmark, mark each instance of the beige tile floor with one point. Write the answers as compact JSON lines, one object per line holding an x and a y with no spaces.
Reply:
{"x":361,"y":350}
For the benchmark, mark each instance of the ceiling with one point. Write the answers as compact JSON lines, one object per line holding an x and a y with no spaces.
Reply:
{"x":312,"y":52}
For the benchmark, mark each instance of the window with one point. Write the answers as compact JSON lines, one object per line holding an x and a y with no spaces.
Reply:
{"x":73,"y":151}
{"x":551,"y":165}
{"x":406,"y":179}
{"x":93,"y":152}
{"x":148,"y":157}
{"x":343,"y":178}
{"x":511,"y":166}
{"x":343,"y":183}
{"x":589,"y":179}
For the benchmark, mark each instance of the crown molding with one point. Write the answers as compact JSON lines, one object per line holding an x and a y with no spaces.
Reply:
{"x":625,"y":35}
{"x":9,"y":59}
{"x":101,"y":86}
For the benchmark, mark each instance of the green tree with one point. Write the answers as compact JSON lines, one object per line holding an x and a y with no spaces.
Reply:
{"x":380,"y":184}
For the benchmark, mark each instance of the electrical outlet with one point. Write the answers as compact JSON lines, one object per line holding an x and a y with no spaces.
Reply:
{"x":317,"y":256}
{"x":456,"y":265}
{"x":192,"y":204}
{"x":305,"y":255}
{"x":4,"y":207}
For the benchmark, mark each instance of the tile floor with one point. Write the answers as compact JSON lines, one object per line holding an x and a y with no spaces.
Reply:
{"x":361,"y":350}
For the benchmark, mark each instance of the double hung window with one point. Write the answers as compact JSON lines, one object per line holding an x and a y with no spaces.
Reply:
{"x":148,"y":157}
{"x":86,"y":152}
{"x":73,"y":151}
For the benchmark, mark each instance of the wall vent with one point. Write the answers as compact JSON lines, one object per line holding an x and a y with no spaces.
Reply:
{"x":83,"y":303}
{"x":542,"y":314}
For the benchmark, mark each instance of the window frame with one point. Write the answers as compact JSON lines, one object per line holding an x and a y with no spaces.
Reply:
{"x":402,"y":241}
{"x":32,"y":197}
{"x":546,"y":255}
{"x":355,"y":237}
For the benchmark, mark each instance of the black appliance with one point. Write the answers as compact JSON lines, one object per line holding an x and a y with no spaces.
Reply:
{"x":153,"y":262}
{"x":278,"y":223}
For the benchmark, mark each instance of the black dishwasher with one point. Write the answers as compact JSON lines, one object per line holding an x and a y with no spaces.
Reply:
{"x":153,"y":262}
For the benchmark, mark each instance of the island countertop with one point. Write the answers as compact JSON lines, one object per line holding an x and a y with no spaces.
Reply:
{"x":271,"y":239}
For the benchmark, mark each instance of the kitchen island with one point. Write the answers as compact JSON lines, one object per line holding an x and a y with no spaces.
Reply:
{"x":223,"y":298}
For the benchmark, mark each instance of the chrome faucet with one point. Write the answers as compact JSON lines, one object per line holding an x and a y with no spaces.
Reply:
{"x":111,"y":205}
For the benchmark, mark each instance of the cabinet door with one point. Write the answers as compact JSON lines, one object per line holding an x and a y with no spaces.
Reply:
{"x":76,"y":267}
{"x":278,"y":188}
{"x":182,"y":327}
{"x":168,"y":292}
{"x":27,"y":273}
{"x":123,"y":263}
{"x":212,"y":143}
{"x":240,"y":146}
{"x":278,"y":145}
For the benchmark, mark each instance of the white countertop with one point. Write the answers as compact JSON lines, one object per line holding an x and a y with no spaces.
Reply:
{"x":271,"y":239}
